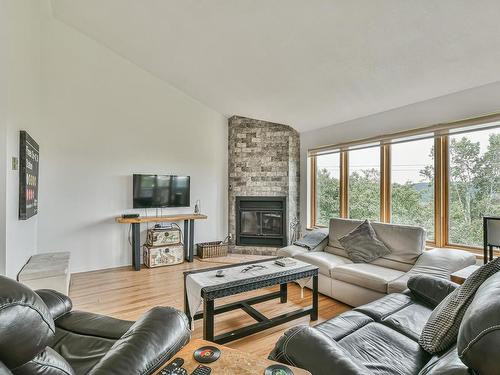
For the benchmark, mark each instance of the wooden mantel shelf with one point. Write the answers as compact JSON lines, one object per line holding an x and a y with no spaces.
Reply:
{"x":159,"y":219}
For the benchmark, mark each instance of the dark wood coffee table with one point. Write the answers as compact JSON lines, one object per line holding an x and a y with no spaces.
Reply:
{"x":281,"y":278}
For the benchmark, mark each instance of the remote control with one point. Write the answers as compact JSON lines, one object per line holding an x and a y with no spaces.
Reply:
{"x":201,"y":370}
{"x":174,"y":368}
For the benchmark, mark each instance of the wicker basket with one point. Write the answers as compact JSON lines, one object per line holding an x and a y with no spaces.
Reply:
{"x":212,"y":249}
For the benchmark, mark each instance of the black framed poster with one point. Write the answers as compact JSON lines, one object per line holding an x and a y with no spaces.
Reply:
{"x":29,"y":157}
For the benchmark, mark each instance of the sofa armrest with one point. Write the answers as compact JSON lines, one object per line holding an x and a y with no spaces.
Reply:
{"x":310,"y":349}
{"x":149,"y":343}
{"x":58,"y":303}
{"x":430,"y":289}
{"x":443,"y":262}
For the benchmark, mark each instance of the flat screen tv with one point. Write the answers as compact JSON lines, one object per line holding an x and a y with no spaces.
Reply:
{"x":156,"y":191}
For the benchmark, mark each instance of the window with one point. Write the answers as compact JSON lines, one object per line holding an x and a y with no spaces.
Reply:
{"x":364,"y":184}
{"x":444,"y":177}
{"x":473,"y":184}
{"x":327,"y":188}
{"x":412,"y":184}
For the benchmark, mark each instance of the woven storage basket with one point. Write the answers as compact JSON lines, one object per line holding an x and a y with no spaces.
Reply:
{"x":212,"y":249}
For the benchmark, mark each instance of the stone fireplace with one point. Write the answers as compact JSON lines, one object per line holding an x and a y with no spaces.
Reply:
{"x":263,"y":185}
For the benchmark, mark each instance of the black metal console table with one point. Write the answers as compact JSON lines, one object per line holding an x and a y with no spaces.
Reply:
{"x":136,"y":233}
{"x":211,"y":293}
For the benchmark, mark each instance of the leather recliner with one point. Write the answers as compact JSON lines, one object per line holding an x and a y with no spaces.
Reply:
{"x":41,"y":334}
{"x":381,"y":338}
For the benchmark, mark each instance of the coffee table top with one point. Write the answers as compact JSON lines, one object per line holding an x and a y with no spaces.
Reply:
{"x":231,"y":361}
{"x":252,"y":280}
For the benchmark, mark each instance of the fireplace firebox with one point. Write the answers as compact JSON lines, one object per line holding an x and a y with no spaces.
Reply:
{"x":261,"y":221}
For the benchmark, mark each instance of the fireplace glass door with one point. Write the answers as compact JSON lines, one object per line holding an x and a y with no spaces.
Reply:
{"x":271,"y":223}
{"x":250,"y":222}
{"x":261,"y":223}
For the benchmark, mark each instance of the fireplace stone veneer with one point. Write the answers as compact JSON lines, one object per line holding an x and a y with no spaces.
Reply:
{"x":263,"y":162}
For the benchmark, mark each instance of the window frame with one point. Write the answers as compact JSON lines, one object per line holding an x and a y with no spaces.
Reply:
{"x":441,"y":136}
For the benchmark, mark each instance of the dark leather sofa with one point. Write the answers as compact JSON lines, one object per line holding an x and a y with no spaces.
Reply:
{"x":41,"y":334}
{"x":382,"y":337}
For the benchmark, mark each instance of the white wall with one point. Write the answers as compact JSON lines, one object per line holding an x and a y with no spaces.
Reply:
{"x":104,"y":119}
{"x":465,"y":104}
{"x":19,"y":109}
{"x":3,"y":132}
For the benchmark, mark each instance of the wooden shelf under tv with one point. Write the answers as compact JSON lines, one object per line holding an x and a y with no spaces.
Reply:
{"x":160,"y":219}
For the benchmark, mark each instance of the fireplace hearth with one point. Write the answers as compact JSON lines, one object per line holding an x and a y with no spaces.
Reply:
{"x":261,"y":221}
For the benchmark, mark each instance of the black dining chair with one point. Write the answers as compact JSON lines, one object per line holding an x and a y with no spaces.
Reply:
{"x":491,"y":230}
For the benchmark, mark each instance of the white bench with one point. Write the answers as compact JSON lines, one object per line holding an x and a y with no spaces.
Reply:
{"x":47,"y":271}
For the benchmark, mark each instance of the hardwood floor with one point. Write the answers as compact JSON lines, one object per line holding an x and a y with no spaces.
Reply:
{"x":126,"y":294}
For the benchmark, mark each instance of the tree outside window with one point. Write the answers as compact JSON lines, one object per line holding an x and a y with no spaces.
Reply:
{"x":327,"y":188}
{"x":474,"y":184}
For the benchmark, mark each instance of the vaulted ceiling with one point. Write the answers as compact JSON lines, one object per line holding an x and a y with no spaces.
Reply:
{"x":307,"y":63}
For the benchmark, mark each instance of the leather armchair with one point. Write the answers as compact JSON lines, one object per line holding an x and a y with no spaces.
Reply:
{"x":41,"y":334}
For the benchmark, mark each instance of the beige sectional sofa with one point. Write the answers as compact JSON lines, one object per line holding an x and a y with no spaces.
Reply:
{"x":359,"y":283}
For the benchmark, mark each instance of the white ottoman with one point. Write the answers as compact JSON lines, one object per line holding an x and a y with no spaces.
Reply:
{"x":47,"y":271}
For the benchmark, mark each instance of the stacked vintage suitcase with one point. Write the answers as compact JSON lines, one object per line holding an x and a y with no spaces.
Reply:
{"x":163,"y":247}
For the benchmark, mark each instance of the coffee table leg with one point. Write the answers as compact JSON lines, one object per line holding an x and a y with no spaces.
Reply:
{"x":208,"y":320}
{"x":283,"y":292}
{"x":314,"y":312}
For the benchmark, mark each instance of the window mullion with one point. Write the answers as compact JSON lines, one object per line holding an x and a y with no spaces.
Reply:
{"x":385,"y":183}
{"x":440,"y":189}
{"x":313,"y":192}
{"x":344,"y":184}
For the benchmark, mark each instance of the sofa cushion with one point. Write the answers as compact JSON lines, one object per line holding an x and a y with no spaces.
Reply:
{"x":431,"y":290}
{"x":405,"y":242}
{"x":366,"y":275}
{"x":446,"y":364}
{"x":324,"y":261}
{"x":362,"y":244}
{"x":343,"y":324}
{"x":385,"y":351}
{"x":385,"y":306}
{"x":436,"y":262}
{"x":291,"y":251}
{"x":313,"y":239}
{"x":82,"y":352}
{"x":409,"y":320}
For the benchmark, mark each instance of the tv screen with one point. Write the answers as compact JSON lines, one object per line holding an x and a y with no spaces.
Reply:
{"x":155,"y":191}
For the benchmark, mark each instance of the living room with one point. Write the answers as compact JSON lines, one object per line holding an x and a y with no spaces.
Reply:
{"x":356,"y":142}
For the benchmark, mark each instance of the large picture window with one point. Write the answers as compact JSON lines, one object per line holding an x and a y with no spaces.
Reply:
{"x":327,"y":188}
{"x":364,"y":184}
{"x":412,"y":187}
{"x":444,"y":178}
{"x":474,"y":184}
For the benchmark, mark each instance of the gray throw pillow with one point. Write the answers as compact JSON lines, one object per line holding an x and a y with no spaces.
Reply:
{"x":441,"y":330}
{"x":362,"y":244}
